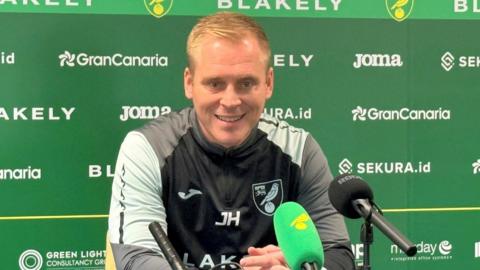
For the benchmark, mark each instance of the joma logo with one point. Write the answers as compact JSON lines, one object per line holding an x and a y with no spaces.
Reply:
{"x":377,"y":60}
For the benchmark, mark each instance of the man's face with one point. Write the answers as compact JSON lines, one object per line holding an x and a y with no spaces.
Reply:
{"x":229,"y":86}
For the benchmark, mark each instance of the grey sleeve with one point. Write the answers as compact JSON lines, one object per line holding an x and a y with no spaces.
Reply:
{"x":136,"y":202}
{"x":129,"y":257}
{"x":313,"y":195}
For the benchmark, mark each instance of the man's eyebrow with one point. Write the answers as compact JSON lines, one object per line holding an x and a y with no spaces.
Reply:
{"x":248,"y":78}
{"x":211,"y":79}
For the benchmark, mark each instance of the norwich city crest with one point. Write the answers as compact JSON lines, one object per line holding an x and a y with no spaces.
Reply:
{"x":399,"y":9}
{"x":267,"y":196}
{"x":158,"y":8}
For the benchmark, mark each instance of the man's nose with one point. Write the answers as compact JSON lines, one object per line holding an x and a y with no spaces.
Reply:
{"x":230,"y":97}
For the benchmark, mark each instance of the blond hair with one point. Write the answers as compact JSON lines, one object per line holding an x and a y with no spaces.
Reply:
{"x":228,"y":25}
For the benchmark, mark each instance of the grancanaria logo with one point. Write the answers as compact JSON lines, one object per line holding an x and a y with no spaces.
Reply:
{"x":399,"y":9}
{"x":158,"y":8}
{"x":300,"y":223}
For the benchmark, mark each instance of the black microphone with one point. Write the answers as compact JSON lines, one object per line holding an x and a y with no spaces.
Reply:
{"x":168,"y":251}
{"x":353,"y":198}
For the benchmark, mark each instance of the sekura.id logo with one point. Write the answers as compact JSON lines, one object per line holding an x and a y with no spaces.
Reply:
{"x":7,"y":58}
{"x":399,"y":10}
{"x":476,"y":167}
{"x":392,"y":167}
{"x":158,"y":8}
{"x":289,"y":113}
{"x":448,"y":61}
{"x":345,"y":166}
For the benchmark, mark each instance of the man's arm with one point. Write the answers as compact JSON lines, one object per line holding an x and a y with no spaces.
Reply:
{"x":313,"y":195}
{"x":130,"y":257}
{"x":136,"y":202}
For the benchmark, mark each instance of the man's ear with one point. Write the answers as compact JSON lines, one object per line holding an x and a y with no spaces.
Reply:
{"x":188,"y":83}
{"x":269,"y":81}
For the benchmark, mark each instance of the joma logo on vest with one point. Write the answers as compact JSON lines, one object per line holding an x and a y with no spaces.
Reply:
{"x":377,"y":60}
{"x":52,"y":3}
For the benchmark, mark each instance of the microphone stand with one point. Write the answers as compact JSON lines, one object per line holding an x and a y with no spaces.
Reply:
{"x":373,"y":216}
{"x":366,"y":236}
{"x":310,"y":266}
{"x":366,"y":232}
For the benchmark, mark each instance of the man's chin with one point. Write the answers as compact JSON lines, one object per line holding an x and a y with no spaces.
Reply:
{"x":230,"y":142}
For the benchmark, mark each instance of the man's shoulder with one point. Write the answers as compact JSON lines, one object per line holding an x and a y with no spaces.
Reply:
{"x":287,"y":137}
{"x":164,"y":133}
{"x":270,"y":124}
{"x":176,"y":121}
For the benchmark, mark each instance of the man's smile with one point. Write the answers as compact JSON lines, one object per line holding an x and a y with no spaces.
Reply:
{"x":229,"y":118}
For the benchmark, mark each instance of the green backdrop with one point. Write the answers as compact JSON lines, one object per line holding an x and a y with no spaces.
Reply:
{"x":392,"y":99}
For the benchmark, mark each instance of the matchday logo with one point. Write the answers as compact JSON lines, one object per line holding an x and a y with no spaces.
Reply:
{"x":399,"y":10}
{"x":280,"y":5}
{"x":377,"y":60}
{"x":7,"y":58}
{"x":68,"y":259}
{"x":425,"y":252}
{"x":403,"y":114}
{"x":289,"y":113}
{"x":476,"y":167}
{"x":448,"y":61}
{"x":48,"y":3}
{"x":36,"y":114}
{"x":143,"y":112}
{"x":388,"y":167}
{"x":68,"y":59}
{"x":158,"y":8}
{"x":28,"y":173}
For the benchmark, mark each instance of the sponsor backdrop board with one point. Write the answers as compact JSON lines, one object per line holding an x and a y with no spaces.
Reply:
{"x":389,"y":89}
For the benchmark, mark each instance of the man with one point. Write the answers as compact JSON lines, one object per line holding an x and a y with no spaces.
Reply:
{"x":213,"y":175}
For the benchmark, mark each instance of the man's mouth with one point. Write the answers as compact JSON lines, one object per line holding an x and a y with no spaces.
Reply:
{"x":229,"y":118}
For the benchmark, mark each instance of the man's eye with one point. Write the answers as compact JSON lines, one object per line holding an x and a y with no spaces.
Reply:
{"x":216,"y":85}
{"x":247,"y":84}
